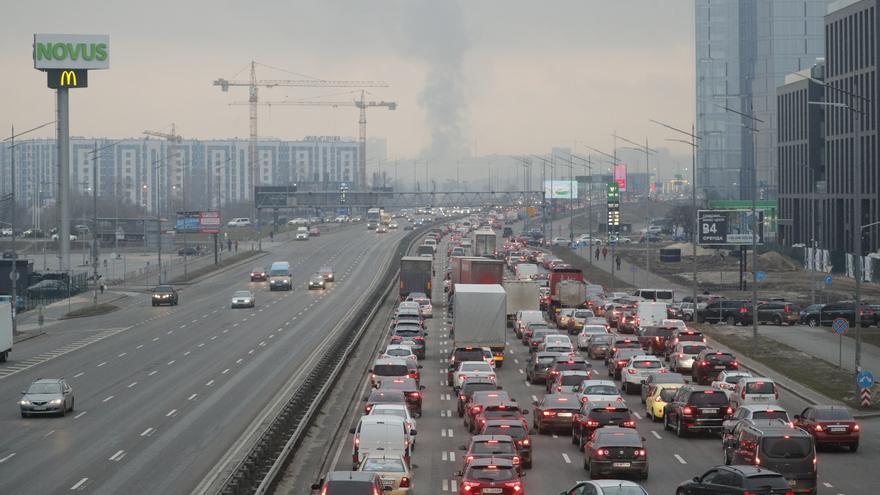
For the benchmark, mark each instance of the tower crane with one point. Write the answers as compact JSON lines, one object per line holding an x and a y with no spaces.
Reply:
{"x":362,"y":104}
{"x":253,"y":100}
{"x":174,"y":138}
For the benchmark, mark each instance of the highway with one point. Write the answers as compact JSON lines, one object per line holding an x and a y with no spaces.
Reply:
{"x":162,"y":394}
{"x":558,"y":463}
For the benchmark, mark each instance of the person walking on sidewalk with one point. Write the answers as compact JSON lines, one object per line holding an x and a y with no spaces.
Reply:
{"x":604,"y":253}
{"x":102,"y":287}
{"x":617,"y":260}
{"x":597,"y":254}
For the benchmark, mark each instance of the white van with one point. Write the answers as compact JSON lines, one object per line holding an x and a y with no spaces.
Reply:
{"x":524,"y":271}
{"x":651,"y":314}
{"x":280,"y":276}
{"x":239,"y":222}
{"x":656,"y":295}
{"x":754,"y":390}
{"x":380,"y":435}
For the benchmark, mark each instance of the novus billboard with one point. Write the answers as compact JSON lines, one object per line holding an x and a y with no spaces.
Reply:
{"x":71,"y":51}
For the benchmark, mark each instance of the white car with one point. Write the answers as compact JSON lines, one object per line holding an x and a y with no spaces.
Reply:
{"x":727,"y":380}
{"x":302,"y":234}
{"x":684,"y":354}
{"x":393,"y":226}
{"x":243,"y":299}
{"x":587,"y":332}
{"x":639,"y":367}
{"x":597,"y":390}
{"x":568,"y":380}
{"x":425,"y":306}
{"x":239,"y":222}
{"x":298,"y":221}
{"x":560,"y":241}
{"x":404,"y":306}
{"x":55,"y":237}
{"x":472,"y":369}
{"x":400,"y":351}
{"x":398,"y":410}
{"x":673,"y":323}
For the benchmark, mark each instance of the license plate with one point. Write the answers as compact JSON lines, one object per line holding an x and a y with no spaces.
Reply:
{"x":39,"y":408}
{"x":792,"y":483}
{"x":837,"y":429}
{"x":709,"y":411}
{"x":621,"y":464}
{"x":564,"y":415}
{"x":720,"y":367}
{"x":493,"y":490}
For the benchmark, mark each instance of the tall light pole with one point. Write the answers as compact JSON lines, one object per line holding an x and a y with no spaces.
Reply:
{"x":614,"y":163}
{"x":693,"y":143}
{"x":648,"y":152}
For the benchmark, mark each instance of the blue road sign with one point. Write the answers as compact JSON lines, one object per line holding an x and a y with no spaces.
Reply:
{"x":865,"y":379}
{"x":828,"y":279}
{"x":633,"y":268}
{"x":840,"y":325}
{"x":760,"y":276}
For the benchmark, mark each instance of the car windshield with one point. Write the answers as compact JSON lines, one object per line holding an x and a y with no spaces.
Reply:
{"x":389,"y":411}
{"x":833,"y":414}
{"x":278,"y":273}
{"x":386,"y":396}
{"x":163,"y":289}
{"x":601,"y":340}
{"x":734,"y":379}
{"x":776,"y":414}
{"x":470,"y":388}
{"x":767,"y":481}
{"x":390,"y":370}
{"x":491,"y":473}
{"x":547,"y":360}
{"x":692,"y":349}
{"x":650,"y":364}
{"x":257,"y":270}
{"x":516,"y":432}
{"x":581,"y":313}
{"x":493,"y":447}
{"x":609,"y":414}
{"x":601,"y":390}
{"x":399,"y":352}
{"x":44,"y":388}
{"x":572,"y":366}
{"x":622,"y":490}
{"x":242,"y":293}
{"x":760,"y":388}
{"x":787,"y":447}
{"x":384,"y":465}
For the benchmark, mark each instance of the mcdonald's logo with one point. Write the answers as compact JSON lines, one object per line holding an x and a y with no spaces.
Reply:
{"x":67,"y":78}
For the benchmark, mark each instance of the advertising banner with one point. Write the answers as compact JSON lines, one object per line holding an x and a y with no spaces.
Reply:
{"x":560,"y":189}
{"x":71,"y":51}
{"x":620,"y":176}
{"x":728,"y":227}
{"x":198,"y":222}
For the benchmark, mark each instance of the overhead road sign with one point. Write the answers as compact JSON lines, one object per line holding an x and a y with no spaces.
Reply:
{"x":728,"y":227}
{"x":71,"y":51}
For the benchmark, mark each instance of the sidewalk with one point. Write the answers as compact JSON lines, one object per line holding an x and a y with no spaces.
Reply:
{"x":28,"y":323}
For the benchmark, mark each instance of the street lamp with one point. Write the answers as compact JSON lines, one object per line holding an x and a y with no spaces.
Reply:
{"x":648,"y":152}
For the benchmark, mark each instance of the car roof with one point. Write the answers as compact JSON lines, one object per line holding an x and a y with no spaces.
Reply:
{"x":351,"y":476}
{"x":763,"y":407}
{"x":491,"y":461}
{"x":590,"y":383}
{"x":748,"y":470}
{"x":602,"y":404}
{"x":390,"y":360}
{"x":48,"y":380}
{"x":486,"y":438}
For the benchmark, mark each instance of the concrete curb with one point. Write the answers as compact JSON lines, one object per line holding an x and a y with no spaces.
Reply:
{"x":27,"y":336}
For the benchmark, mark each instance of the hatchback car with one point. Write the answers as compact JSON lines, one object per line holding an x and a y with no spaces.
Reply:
{"x":471,"y":369}
{"x":327,"y":273}
{"x":480,"y":400}
{"x":488,"y":446}
{"x":599,"y":414}
{"x":490,"y":475}
{"x":538,"y":367}
{"x":394,"y":472}
{"x":566,"y":381}
{"x":259,"y":274}
{"x":655,"y":379}
{"x":517,"y":430}
{"x":410,"y":388}
{"x":613,"y":450}
{"x":683,"y":355}
{"x":696,"y":408}
{"x":467,"y":391}
{"x":587,"y":332}
{"x":597,"y":390}
{"x":243,"y":299}
{"x":47,"y":396}
{"x":164,"y":294}
{"x":316,"y":281}
{"x":637,"y":370}
{"x":708,"y":364}
{"x":598,"y":346}
{"x":383,"y":397}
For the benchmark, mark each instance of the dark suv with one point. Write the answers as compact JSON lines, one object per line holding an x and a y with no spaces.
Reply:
{"x":779,"y":313}
{"x":539,"y":365}
{"x":736,"y":480}
{"x":709,"y":363}
{"x":696,"y":408}
{"x":730,"y":312}
{"x":350,"y":483}
{"x":469,"y":387}
{"x":777,"y":445}
{"x":845,"y":310}
{"x":594,"y":415}
{"x":164,"y":294}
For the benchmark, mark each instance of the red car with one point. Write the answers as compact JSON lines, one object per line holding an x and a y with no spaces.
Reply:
{"x":314,"y":232}
{"x":490,"y":475}
{"x":830,"y":425}
{"x":259,"y":275}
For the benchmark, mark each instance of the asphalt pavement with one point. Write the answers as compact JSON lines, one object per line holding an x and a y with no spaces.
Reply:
{"x":162,"y":394}
{"x":558,"y":463}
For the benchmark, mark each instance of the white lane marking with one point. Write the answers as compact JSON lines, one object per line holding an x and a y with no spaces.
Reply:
{"x":827,"y":484}
{"x":239,"y":360}
{"x":122,"y":354}
{"x":109,"y":398}
{"x":453,"y":485}
{"x":201,"y":345}
{"x":79,"y":484}
{"x":444,"y":456}
{"x":515,"y":361}
{"x":555,"y":435}
{"x":225,"y":330}
{"x":251,"y":351}
{"x":187,"y":353}
{"x":521,"y":372}
{"x":637,"y":415}
{"x":209,"y":383}
{"x":49,"y":434}
{"x":534,"y":398}
{"x":171,"y":413}
{"x":169,"y":332}
{"x":155,"y":339}
{"x":78,"y":374}
{"x":183,"y":326}
{"x":152,"y":373}
{"x":140,"y":346}
{"x":102,"y":364}
{"x":656,"y":435}
{"x":567,"y":459}
{"x":235,"y":325}
{"x":449,"y":433}
{"x":4,"y":459}
{"x":214,"y":337}
{"x":445,"y":485}
{"x":679,"y":458}
{"x":451,"y":456}
{"x":80,"y":415}
{"x":204,"y":316}
{"x":171,"y":362}
{"x":149,"y":431}
{"x":191,"y":397}
{"x":132,"y":384}
{"x":117,"y":456}
{"x":224,"y":371}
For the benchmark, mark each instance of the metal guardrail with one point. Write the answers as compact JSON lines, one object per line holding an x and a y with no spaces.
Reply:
{"x":258,"y":471}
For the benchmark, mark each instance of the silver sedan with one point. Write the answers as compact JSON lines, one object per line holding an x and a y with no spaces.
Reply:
{"x":244,"y":299}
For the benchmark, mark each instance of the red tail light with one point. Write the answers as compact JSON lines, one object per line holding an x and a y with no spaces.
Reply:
{"x":476,"y":409}
{"x":469,"y":486}
{"x":468,"y":459}
{"x":687,"y":411}
{"x":631,"y":371}
{"x":734,"y":364}
{"x":641,"y":452}
{"x":602,"y":452}
{"x":517,"y":487}
{"x":414,"y":394}
{"x":549,"y":413}
{"x":629,"y":424}
{"x":819,"y":428}
{"x":404,"y":482}
{"x":743,"y":310}
{"x":704,"y":363}
{"x":856,"y":427}
{"x":592,"y":423}
{"x":559,"y":389}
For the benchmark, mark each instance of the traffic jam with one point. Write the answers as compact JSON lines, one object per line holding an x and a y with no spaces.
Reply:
{"x":506,"y":372}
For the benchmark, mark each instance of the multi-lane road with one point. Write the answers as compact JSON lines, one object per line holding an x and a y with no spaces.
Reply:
{"x":558,"y":463}
{"x":164,"y":394}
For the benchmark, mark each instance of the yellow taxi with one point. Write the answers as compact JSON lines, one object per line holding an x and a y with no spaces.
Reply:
{"x":655,"y":403}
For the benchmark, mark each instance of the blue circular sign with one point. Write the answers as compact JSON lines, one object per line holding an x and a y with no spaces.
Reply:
{"x":760,"y":276}
{"x":840,"y":325}
{"x":865,"y":379}
{"x":828,"y":279}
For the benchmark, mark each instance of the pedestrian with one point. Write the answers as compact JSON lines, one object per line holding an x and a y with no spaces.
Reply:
{"x":604,"y":253}
{"x":229,"y":244}
{"x":236,"y":246}
{"x":271,"y":236}
{"x":617,"y":260}
{"x":597,"y":254}
{"x":102,"y":287}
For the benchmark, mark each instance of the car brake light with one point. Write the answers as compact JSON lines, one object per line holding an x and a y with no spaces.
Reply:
{"x":687,"y":411}
{"x":631,"y":371}
{"x":819,"y":428}
{"x":641,"y":452}
{"x":461,"y":377}
{"x":516,"y":459}
{"x":462,"y":397}
{"x":734,"y":364}
{"x":704,"y":363}
{"x":743,"y":310}
{"x":468,"y":459}
{"x":729,"y":410}
{"x":515,"y":485}
{"x":476,"y":409}
{"x":603,"y":452}
{"x":856,"y":427}
{"x":592,"y":423}
{"x":404,"y":482}
{"x":549,"y":413}
{"x":414,"y":394}
{"x":559,"y":388}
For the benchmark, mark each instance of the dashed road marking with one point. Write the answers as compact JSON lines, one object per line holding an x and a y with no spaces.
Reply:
{"x":149,"y":431}
{"x":49,"y":434}
{"x":637,"y":415}
{"x":193,"y":396}
{"x":132,"y":384}
{"x":679,"y":458}
{"x":4,"y":459}
{"x":140,"y":346}
{"x":108,"y":398}
{"x":656,"y":435}
{"x":121,"y":354}
{"x":117,"y":456}
{"x":239,"y":360}
{"x":187,"y":353}
{"x":155,"y":339}
{"x":79,"y":374}
{"x":566,"y":458}
{"x":152,"y":373}
{"x":79,"y":484}
{"x":171,"y":413}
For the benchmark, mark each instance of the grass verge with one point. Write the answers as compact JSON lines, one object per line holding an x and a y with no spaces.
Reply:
{"x":100,"y":309}
{"x":205,"y":270}
{"x":809,"y":371}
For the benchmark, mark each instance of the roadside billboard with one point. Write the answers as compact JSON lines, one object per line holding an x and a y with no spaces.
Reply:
{"x":620,"y":176}
{"x":560,"y":189}
{"x":728,"y":227}
{"x":197,"y":222}
{"x":71,"y":51}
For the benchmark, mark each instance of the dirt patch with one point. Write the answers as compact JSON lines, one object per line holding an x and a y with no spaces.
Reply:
{"x":775,"y":262}
{"x":100,"y":309}
{"x":814,"y":373}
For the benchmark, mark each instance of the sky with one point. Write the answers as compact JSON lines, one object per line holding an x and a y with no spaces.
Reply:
{"x":471,"y":77}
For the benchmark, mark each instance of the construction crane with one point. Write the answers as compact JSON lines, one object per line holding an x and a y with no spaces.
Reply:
{"x":253,"y":100}
{"x":361,"y":104}
{"x":172,"y":136}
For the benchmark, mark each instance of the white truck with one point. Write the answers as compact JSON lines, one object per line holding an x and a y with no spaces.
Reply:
{"x":522,"y":295}
{"x":651,"y":314}
{"x":485,"y":243}
{"x":5,"y":331}
{"x":572,"y":293}
{"x":480,"y":318}
{"x":524,"y":271}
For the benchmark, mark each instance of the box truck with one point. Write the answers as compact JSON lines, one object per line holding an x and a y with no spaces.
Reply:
{"x":5,"y":331}
{"x":480,"y":318}
{"x":522,"y":295}
{"x":473,"y":270}
{"x":485,"y":243}
{"x":525,"y":271}
{"x":415,"y":275}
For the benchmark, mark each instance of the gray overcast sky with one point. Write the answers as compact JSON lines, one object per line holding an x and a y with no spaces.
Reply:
{"x":506,"y":76}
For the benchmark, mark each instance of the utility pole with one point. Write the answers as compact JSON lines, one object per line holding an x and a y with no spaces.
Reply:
{"x":95,"y":225}
{"x":14,"y":272}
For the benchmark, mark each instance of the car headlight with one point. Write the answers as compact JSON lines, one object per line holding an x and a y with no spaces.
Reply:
{"x":24,"y":402}
{"x":55,"y":402}
{"x":285,"y":281}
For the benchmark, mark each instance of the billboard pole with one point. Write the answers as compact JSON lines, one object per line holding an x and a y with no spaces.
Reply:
{"x":63,"y":145}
